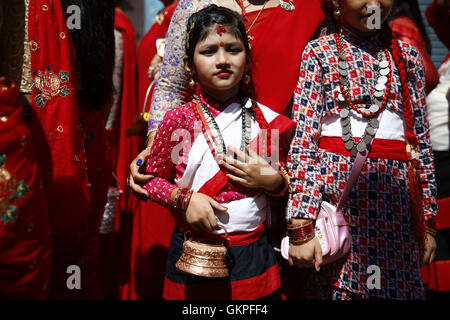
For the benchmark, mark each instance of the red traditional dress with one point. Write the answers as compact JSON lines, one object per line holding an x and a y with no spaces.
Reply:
{"x":152,"y":224}
{"x":25,"y":239}
{"x":378,"y":210}
{"x":115,"y":247}
{"x":180,"y":151}
{"x":59,"y":139}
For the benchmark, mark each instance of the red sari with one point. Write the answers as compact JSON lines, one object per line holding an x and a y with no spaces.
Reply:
{"x":279,"y":39}
{"x":25,"y":239}
{"x":58,"y":139}
{"x":152,"y":224}
{"x":115,"y":247}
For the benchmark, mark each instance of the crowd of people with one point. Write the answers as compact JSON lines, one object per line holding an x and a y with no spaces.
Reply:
{"x":234,"y":121}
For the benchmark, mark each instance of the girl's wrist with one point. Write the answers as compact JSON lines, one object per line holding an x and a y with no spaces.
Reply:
{"x":276,"y":185}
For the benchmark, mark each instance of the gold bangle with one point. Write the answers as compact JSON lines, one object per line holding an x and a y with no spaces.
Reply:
{"x":150,"y":135}
{"x":304,"y":240}
{"x":298,"y":226}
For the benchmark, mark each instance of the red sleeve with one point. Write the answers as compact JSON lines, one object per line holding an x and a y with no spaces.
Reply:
{"x":405,"y":29}
{"x":439,"y":19}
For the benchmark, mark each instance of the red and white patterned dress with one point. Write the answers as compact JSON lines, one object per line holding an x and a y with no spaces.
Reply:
{"x":378,"y":209}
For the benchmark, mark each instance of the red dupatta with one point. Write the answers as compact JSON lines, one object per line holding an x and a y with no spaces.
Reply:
{"x":125,"y":149}
{"x":25,"y":239}
{"x":277,"y":48}
{"x":55,"y":123}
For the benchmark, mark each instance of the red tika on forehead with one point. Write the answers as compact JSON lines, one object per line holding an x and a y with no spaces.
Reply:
{"x":220,"y":29}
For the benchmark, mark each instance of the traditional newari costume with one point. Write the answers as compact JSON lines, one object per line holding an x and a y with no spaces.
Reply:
{"x":181,"y":150}
{"x":25,"y":239}
{"x":379,"y":209}
{"x":278,"y":38}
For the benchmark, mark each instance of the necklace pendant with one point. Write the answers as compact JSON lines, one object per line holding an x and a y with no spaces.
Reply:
{"x":361,"y":146}
{"x":349,"y":144}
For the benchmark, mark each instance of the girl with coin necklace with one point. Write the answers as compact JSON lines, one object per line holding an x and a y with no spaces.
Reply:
{"x":362,"y":91}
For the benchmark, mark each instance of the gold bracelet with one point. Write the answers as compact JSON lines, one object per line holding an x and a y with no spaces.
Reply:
{"x":304,"y":240}
{"x":150,"y":135}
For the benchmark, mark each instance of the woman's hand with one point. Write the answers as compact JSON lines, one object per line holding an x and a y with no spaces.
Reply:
{"x":430,"y":250}
{"x":200,"y":212}
{"x":137,"y":179}
{"x":308,"y":255}
{"x":251,"y":171}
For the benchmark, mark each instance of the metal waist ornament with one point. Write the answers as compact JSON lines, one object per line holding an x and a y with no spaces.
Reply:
{"x":204,"y":257}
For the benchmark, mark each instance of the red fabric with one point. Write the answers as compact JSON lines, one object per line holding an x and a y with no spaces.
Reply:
{"x":257,"y":287}
{"x":58,"y":138}
{"x":147,"y":50}
{"x":381,"y":148}
{"x":279,"y":41}
{"x":405,"y":29}
{"x":439,"y":19}
{"x":25,"y":239}
{"x":153,"y":224}
{"x":236,"y":238}
{"x":437,"y":275}
{"x":124,"y":150}
{"x":443,"y":217}
{"x":55,"y":128}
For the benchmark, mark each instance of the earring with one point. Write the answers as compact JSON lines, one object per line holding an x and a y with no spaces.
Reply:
{"x":337,"y":14}
{"x":192,"y":83}
{"x":246,"y":79}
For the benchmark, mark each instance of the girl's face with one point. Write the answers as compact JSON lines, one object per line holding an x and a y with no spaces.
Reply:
{"x":220,"y":61}
{"x":357,"y":18}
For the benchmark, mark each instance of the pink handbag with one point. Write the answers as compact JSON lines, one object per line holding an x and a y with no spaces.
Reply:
{"x":332,"y":232}
{"x":331,"y":228}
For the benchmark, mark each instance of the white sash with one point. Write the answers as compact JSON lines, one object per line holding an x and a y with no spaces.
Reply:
{"x":244,"y":214}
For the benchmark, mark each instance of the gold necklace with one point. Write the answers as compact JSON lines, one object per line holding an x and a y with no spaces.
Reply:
{"x":250,"y":38}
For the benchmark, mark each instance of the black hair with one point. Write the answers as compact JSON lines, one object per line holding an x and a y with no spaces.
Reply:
{"x":200,"y":23}
{"x":94,"y":49}
{"x":410,"y":9}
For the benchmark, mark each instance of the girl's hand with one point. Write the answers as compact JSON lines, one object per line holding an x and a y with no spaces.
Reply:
{"x":200,"y":212}
{"x":251,"y":171}
{"x":430,"y":250}
{"x":307,"y":255}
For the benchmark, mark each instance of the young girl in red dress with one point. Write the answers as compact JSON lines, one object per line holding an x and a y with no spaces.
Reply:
{"x":346,"y":80}
{"x":206,"y":166}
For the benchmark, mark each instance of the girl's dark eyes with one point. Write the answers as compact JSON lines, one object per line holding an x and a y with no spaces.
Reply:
{"x":206,"y":52}
{"x":212,"y":51}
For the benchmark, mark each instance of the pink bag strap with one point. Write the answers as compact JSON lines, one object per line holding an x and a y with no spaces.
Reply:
{"x":356,"y":169}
